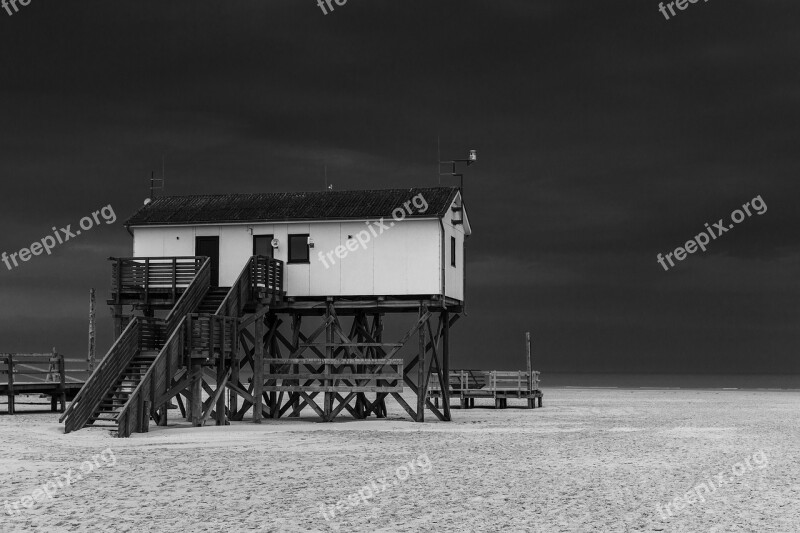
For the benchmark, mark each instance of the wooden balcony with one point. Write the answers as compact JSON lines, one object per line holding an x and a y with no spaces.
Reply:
{"x":156,"y":281}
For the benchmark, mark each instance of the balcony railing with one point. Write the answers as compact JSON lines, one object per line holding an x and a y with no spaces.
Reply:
{"x":266,"y":276}
{"x":141,"y":276}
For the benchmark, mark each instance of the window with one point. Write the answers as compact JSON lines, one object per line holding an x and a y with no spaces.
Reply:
{"x":452,"y":251}
{"x":262,"y":245}
{"x":298,"y":248}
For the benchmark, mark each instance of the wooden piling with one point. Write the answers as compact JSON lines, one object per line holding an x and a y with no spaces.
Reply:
{"x":258,"y":371}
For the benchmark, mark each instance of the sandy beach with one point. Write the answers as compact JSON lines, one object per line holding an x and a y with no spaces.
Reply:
{"x":591,"y":460}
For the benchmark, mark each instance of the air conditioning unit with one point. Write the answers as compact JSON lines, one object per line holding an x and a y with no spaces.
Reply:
{"x":310,"y":242}
{"x":275,"y":243}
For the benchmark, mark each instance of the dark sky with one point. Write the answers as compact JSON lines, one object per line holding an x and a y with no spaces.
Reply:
{"x":606,"y":135}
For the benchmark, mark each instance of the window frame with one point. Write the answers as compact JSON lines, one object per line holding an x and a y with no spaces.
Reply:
{"x":453,"y":248}
{"x":289,"y":259}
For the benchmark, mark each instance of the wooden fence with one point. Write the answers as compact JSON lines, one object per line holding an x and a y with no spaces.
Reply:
{"x":489,"y":382}
{"x":33,"y":374}
{"x":334,"y":375}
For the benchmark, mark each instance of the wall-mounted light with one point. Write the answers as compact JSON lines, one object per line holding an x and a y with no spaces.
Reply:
{"x":473,"y":155}
{"x":310,"y":242}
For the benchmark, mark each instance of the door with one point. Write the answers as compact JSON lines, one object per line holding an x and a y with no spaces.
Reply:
{"x":209,"y":247}
{"x":262,"y":245}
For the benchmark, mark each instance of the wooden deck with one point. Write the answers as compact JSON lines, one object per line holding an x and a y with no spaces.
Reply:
{"x":499,"y":385}
{"x":159,"y":282}
{"x":37,"y":374}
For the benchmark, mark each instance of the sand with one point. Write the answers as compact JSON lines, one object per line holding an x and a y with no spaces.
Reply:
{"x":591,"y":460}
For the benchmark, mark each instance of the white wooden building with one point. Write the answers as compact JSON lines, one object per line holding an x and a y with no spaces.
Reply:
{"x":394,"y":242}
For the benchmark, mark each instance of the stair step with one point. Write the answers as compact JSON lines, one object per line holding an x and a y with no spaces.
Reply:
{"x":98,"y":418}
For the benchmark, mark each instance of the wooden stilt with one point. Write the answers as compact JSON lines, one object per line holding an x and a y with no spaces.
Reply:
{"x":421,"y":378}
{"x":445,"y":385}
{"x":145,"y":422}
{"x":327,"y":407}
{"x":196,"y":407}
{"x":233,"y":398}
{"x":180,"y":406}
{"x":222,"y":378}
{"x":258,"y":371}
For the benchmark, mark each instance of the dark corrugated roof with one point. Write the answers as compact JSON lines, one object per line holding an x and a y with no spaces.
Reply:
{"x":276,"y":207}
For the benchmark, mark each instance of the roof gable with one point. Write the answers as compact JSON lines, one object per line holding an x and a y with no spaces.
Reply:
{"x":296,"y":206}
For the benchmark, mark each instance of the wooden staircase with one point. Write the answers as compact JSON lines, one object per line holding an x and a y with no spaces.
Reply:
{"x":212,"y":300}
{"x":116,"y":398}
{"x":136,"y":376}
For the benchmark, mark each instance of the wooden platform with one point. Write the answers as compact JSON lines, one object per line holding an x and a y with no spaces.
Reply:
{"x":32,"y":374}
{"x":499,"y":385}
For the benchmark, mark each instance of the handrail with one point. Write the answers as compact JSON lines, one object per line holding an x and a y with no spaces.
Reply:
{"x":164,"y":367}
{"x":261,"y":274}
{"x":99,"y":368}
{"x":239,"y":294}
{"x":191,"y":297}
{"x":103,"y":377}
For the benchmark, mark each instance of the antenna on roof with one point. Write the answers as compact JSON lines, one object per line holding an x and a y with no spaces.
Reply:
{"x":439,"y":156}
{"x":156,"y":184}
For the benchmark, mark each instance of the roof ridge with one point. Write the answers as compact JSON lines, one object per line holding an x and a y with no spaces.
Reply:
{"x":358,"y":204}
{"x":443,"y":187}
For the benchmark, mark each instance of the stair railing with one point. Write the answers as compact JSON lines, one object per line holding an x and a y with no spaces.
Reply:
{"x":187,"y":332}
{"x":134,"y":417}
{"x":240,"y":293}
{"x":105,"y":375}
{"x":191,"y":297}
{"x":138,"y":335}
{"x":211,"y":335}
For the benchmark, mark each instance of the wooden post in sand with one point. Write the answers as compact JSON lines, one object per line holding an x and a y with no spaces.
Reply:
{"x":531,"y":401}
{"x":92,"y":331}
{"x":530,"y":368}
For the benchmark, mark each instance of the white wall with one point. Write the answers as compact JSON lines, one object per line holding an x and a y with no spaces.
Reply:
{"x":403,"y":260}
{"x":454,"y":276}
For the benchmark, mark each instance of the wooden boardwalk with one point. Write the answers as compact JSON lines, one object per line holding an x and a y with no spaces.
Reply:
{"x":467,"y":385}
{"x":32,"y":374}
